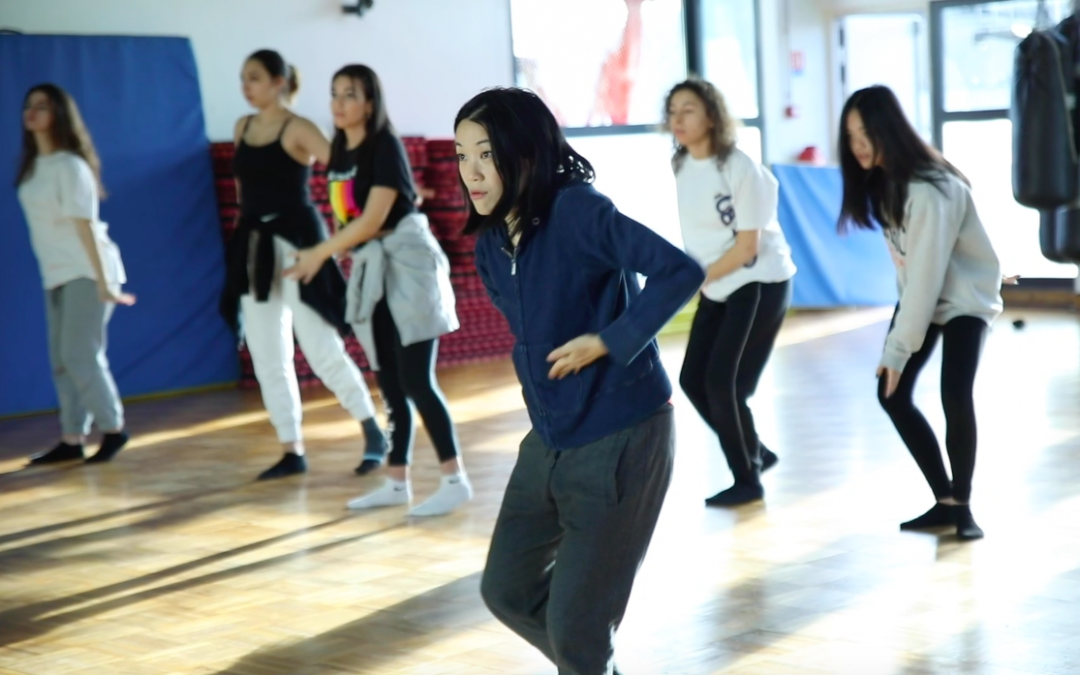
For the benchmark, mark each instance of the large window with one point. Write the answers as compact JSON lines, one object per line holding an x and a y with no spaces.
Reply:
{"x":604,"y":66}
{"x":724,"y":49}
{"x":572,"y":52}
{"x":978,"y":42}
{"x":729,"y":53}
{"x":973,"y":43}
{"x":600,"y":63}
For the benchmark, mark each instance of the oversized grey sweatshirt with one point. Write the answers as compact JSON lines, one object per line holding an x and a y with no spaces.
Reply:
{"x":945,"y":266}
{"x":409,"y":268}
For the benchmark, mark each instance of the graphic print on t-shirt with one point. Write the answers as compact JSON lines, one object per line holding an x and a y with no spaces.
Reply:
{"x":719,"y":200}
{"x":342,"y":199}
{"x":725,"y":206}
{"x":894,"y":235}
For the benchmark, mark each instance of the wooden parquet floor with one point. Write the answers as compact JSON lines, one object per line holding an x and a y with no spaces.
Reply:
{"x":172,"y":561}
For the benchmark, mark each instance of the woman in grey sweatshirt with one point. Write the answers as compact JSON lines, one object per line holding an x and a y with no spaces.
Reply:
{"x":949,"y":281}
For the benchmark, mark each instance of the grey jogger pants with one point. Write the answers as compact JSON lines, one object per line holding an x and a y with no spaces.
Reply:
{"x":85,"y":388}
{"x":573,"y":530}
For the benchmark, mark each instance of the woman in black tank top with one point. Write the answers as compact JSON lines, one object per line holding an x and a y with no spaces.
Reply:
{"x":274,"y":153}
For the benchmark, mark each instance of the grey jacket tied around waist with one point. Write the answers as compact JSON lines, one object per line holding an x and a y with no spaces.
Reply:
{"x":409,"y":268}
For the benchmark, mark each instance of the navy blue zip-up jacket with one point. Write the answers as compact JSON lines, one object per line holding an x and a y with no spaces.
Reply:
{"x":576,"y":274}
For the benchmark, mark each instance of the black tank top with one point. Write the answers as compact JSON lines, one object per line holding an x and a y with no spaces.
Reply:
{"x":275,"y":202}
{"x":271,"y":181}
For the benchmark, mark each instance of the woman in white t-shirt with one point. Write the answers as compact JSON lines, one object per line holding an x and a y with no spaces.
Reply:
{"x":59,"y":183}
{"x":727,"y":207}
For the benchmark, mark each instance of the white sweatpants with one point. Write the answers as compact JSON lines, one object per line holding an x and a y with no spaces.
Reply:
{"x":268,"y":330}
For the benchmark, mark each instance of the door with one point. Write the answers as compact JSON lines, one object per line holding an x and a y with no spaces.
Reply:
{"x":888,"y":49}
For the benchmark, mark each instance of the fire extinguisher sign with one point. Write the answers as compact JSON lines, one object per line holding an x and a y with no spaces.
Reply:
{"x":798,"y":62}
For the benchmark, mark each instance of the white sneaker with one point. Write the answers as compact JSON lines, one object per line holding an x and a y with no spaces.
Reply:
{"x":452,"y":493}
{"x":392,"y":493}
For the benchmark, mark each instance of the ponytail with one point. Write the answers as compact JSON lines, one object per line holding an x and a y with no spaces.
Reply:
{"x":292,"y":83}
{"x":275,"y":64}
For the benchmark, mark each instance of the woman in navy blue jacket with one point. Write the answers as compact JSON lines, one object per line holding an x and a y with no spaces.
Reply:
{"x":561,"y":263}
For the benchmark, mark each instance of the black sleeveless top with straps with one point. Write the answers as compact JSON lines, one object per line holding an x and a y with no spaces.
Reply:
{"x":275,"y":201}
{"x":270,"y":179}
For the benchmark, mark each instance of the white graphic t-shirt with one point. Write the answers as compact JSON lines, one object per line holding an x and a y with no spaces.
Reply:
{"x":716,"y":202}
{"x":61,"y":190}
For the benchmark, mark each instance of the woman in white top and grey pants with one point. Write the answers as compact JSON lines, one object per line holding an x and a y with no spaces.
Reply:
{"x":59,"y":185}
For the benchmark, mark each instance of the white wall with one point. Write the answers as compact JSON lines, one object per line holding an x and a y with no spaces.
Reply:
{"x":432,"y":55}
{"x":635,"y":172}
{"x":815,"y":92}
{"x":786,"y":137}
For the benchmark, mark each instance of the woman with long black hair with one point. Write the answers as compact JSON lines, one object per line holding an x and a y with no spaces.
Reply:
{"x":59,"y":187}
{"x":561,"y":263}
{"x":949,"y":280}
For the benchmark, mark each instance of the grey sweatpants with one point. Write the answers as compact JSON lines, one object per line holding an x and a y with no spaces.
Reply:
{"x":573,"y":530}
{"x":77,"y":321}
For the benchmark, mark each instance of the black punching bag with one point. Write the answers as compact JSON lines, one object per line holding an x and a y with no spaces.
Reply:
{"x":1046,"y":174}
{"x":1048,"y":236}
{"x":1069,"y":30}
{"x":1067,"y":235}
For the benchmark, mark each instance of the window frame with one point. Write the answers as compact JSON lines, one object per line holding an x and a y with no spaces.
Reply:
{"x":693,"y":11}
{"x":939,"y":116}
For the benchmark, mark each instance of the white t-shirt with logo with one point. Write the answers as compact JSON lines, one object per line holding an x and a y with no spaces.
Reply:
{"x":62,"y":189}
{"x":716,"y":202}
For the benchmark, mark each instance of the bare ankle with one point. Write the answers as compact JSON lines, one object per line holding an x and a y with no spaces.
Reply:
{"x":452,"y":467}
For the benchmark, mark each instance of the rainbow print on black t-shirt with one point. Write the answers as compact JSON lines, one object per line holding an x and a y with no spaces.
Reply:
{"x":342,"y":198}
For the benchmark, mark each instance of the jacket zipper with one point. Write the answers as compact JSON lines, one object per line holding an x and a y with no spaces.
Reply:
{"x":513,"y":260}
{"x":513,"y":255}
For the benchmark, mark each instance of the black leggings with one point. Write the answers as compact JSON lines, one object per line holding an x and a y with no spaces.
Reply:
{"x":730,"y":343}
{"x":962,"y":343}
{"x":407,"y":375}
